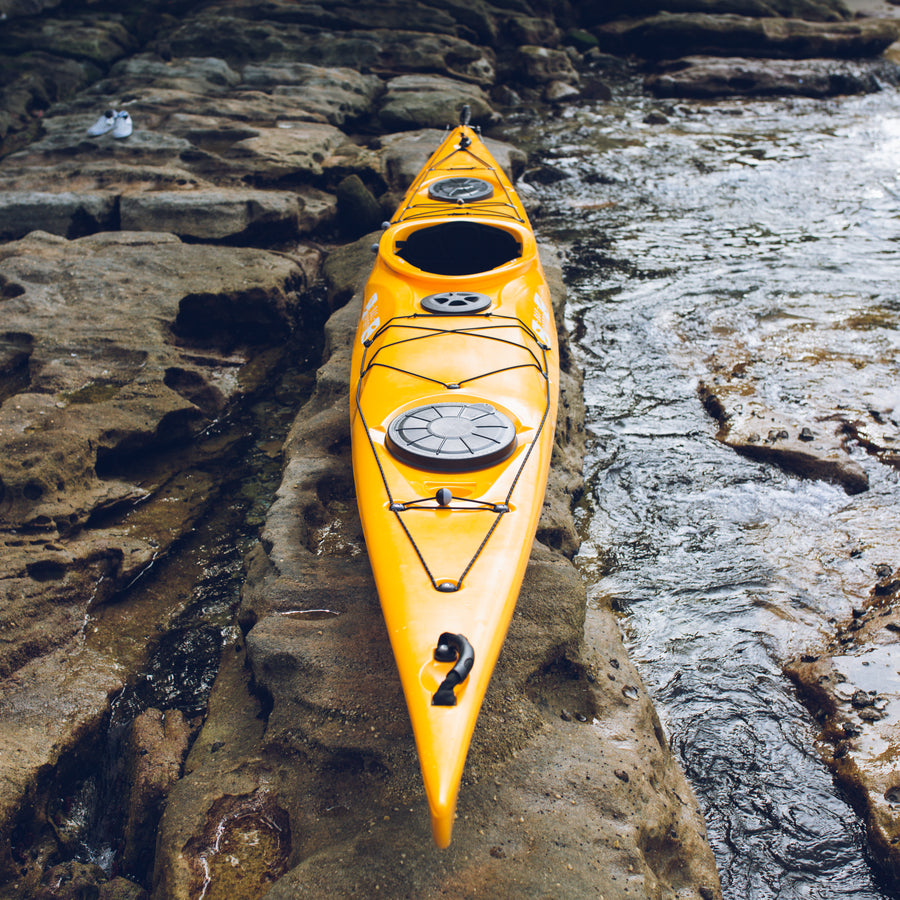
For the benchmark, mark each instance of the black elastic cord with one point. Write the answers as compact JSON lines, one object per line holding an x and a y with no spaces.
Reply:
{"x":397,"y":507}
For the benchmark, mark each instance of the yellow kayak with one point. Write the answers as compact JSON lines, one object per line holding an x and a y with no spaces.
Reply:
{"x":453,"y":398}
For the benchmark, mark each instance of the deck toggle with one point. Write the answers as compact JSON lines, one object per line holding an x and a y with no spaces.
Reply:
{"x":452,"y":647}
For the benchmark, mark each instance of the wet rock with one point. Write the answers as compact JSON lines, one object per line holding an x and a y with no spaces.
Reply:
{"x":740,"y":418}
{"x":67,"y":213}
{"x":430,"y":101}
{"x":670,"y":36}
{"x":358,"y":210}
{"x":96,"y":39}
{"x":244,"y":848}
{"x":560,"y":92}
{"x":878,"y":431}
{"x":337,"y":95}
{"x":156,"y":750}
{"x":72,"y":881}
{"x":596,"y":11}
{"x":861,"y":699}
{"x":853,"y":683}
{"x":121,"y":889}
{"x":593,"y":88}
{"x":701,"y":77}
{"x":540,"y":65}
{"x":117,"y":366}
{"x":213,"y":215}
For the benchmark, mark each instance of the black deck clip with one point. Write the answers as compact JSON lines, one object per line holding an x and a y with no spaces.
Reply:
{"x":465,"y":116}
{"x":452,"y":647}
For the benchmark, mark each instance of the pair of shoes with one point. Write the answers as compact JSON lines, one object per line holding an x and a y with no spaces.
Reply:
{"x":119,"y":123}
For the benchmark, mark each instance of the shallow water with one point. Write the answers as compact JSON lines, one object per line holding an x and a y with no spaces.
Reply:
{"x":768,"y":233}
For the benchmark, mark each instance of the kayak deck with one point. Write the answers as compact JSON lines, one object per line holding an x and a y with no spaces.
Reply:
{"x":453,"y":405}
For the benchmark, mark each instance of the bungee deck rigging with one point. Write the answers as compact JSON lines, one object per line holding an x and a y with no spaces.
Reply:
{"x":470,"y":460}
{"x":463,"y":188}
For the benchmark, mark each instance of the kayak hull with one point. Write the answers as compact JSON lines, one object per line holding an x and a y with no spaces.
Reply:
{"x":454,"y":388}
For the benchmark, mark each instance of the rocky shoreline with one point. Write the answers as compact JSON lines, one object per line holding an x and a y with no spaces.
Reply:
{"x":148,"y":286}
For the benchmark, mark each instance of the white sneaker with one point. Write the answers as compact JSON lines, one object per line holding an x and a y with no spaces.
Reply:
{"x":105,"y":123}
{"x":123,"y":126}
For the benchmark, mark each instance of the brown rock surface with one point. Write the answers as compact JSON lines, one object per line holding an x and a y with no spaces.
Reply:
{"x":784,"y":437}
{"x":417,"y":100}
{"x":121,"y":348}
{"x":813,"y":10}
{"x":155,"y":752}
{"x":670,"y":36}
{"x":810,"y":425}
{"x":709,"y":76}
{"x":852,"y":685}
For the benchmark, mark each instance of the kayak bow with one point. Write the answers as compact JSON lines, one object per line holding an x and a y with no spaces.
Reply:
{"x":453,"y":398}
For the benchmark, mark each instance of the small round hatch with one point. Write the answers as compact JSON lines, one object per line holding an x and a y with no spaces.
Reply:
{"x":451,"y":437}
{"x":456,"y":303}
{"x":461,"y":190}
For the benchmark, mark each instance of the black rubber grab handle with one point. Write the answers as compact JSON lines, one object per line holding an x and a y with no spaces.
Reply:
{"x":450,"y":647}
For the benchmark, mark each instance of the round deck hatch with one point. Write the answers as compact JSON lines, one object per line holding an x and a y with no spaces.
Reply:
{"x":451,"y":437}
{"x":456,"y":303}
{"x":461,"y":190}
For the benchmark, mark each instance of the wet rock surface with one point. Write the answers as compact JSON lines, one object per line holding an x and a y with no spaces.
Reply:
{"x":853,"y":688}
{"x":669,"y":36}
{"x":146,"y":290}
{"x":700,"y":49}
{"x":703,"y":77}
{"x":809,"y":435}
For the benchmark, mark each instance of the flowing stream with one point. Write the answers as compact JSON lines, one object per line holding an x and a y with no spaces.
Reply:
{"x":694,"y":232}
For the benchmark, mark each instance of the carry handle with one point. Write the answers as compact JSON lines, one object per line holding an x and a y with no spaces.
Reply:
{"x":452,"y":647}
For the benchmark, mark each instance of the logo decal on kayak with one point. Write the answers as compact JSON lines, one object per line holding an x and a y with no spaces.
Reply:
{"x":540,"y":319}
{"x":369,"y":321}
